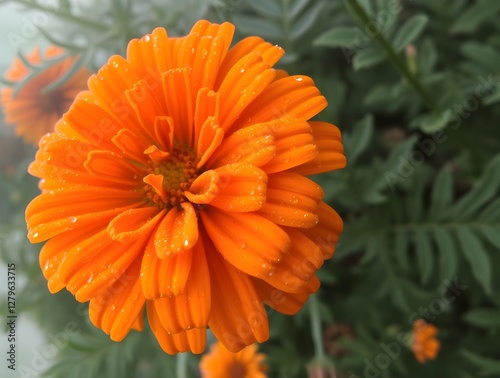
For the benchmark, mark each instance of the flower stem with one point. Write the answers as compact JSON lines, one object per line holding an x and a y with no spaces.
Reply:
{"x":392,"y":55}
{"x":182,"y":360}
{"x":317,"y":335}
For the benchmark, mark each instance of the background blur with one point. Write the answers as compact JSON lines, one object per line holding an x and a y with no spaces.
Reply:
{"x":414,"y":85}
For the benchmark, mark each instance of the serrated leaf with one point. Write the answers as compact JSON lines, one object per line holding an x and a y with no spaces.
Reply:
{"x":448,"y":254}
{"x":476,"y":256}
{"x":442,"y":193}
{"x":483,"y":317}
{"x":368,"y":57}
{"x":360,"y":138}
{"x":491,"y":233}
{"x":483,"y":191}
{"x":304,"y":22}
{"x":483,"y":54}
{"x":475,"y":15}
{"x":410,"y":31}
{"x":424,"y":255}
{"x":341,"y":36}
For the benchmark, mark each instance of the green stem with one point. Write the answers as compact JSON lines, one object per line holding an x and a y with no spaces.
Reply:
{"x":182,"y":360}
{"x":317,"y":335}
{"x":66,"y":15}
{"x":393,"y":57}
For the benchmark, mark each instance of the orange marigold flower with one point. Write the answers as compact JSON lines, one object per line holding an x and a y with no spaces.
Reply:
{"x":176,"y":183}
{"x":221,"y":363}
{"x":33,"y":112}
{"x":425,"y":346}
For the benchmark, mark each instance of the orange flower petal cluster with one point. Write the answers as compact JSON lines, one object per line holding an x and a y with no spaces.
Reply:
{"x":425,"y":346}
{"x":176,"y":185}
{"x":33,"y":112}
{"x":221,"y":363}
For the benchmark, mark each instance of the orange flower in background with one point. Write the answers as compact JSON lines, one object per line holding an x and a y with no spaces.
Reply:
{"x":221,"y":363}
{"x":33,"y":112}
{"x":176,"y":184}
{"x":425,"y":346}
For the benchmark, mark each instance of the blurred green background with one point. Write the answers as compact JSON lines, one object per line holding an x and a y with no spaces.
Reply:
{"x":415,"y":88}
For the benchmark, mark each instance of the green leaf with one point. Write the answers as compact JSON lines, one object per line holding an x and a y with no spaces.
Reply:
{"x":477,"y":257}
{"x":424,"y":255}
{"x":410,"y":31}
{"x":266,"y":8}
{"x":483,"y":317}
{"x":401,"y":250}
{"x":491,"y":233}
{"x":430,"y":123}
{"x":483,"y":191}
{"x":368,"y":57}
{"x":359,"y":139}
{"x":340,"y":36}
{"x":304,"y":22}
{"x":493,"y":98}
{"x":483,"y":54}
{"x":249,"y":25}
{"x":442,"y":193}
{"x":297,"y":6}
{"x":448,"y":254}
{"x":475,"y":15}
{"x":485,"y":366}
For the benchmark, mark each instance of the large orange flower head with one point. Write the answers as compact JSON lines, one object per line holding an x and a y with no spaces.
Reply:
{"x":176,"y":183}
{"x":425,"y":346}
{"x":221,"y":363}
{"x":35,"y":109}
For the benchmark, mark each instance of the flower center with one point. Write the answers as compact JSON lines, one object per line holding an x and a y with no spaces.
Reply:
{"x":169,"y":175}
{"x":237,"y":370}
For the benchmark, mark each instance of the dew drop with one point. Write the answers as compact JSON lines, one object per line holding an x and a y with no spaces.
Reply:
{"x":72,"y":219}
{"x":112,"y":308}
{"x":35,"y":235}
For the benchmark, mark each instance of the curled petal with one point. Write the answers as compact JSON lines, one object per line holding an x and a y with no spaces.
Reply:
{"x":248,"y":241}
{"x":134,"y":223}
{"x":193,"y":340}
{"x":177,"y":231}
{"x":330,"y":150}
{"x":292,"y":200}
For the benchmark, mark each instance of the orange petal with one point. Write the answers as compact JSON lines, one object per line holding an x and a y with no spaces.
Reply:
{"x":248,"y":241}
{"x":190,"y":308}
{"x":55,"y":251}
{"x":291,"y":97}
{"x":177,"y":232}
{"x":238,"y":317}
{"x":247,"y":79}
{"x":286,"y":303}
{"x":134,"y":223}
{"x":210,"y":138}
{"x":207,"y":105}
{"x":295,"y":270}
{"x":292,"y":200}
{"x":131,"y":145}
{"x":269,"y":53}
{"x":295,"y":145}
{"x":105,"y":164}
{"x":326,"y":234}
{"x":70,"y":208}
{"x":331,"y":152}
{"x":193,"y":340}
{"x":116,"y":310}
{"x":177,"y":92}
{"x":253,"y":145}
{"x":234,"y":187}
{"x":167,"y":276}
{"x":89,"y":269}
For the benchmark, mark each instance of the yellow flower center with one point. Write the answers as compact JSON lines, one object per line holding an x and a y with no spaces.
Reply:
{"x":169,"y":175}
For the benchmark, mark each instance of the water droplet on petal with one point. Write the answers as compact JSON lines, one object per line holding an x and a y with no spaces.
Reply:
{"x":72,"y":219}
{"x":112,"y":308}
